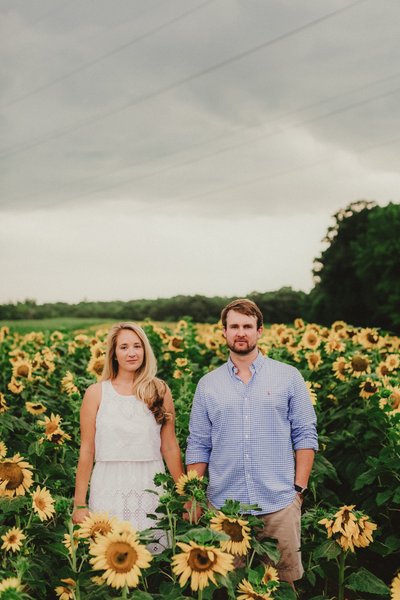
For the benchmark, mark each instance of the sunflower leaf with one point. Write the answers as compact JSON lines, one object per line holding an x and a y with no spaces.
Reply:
{"x":328,"y":549}
{"x":365,"y":581}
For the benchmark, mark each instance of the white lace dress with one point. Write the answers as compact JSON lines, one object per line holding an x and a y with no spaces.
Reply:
{"x":127,"y":456}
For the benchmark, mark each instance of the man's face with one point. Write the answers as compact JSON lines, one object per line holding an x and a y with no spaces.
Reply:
{"x":241,"y":332}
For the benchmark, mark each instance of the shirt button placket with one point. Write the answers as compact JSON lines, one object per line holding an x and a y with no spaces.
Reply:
{"x":246,"y":442}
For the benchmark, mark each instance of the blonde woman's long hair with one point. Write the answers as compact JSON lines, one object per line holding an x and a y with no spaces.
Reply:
{"x":146,"y":386}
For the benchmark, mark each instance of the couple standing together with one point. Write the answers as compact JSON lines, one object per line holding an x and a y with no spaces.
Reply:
{"x":252,"y":427}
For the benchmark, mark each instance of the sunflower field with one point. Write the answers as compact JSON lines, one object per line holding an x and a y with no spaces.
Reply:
{"x":350,"y":521}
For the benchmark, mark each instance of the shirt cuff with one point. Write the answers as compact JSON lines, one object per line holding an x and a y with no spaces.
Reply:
{"x":197,"y":456}
{"x":306,"y":444}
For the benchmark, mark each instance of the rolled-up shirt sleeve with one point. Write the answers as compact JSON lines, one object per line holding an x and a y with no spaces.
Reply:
{"x":302,"y":415}
{"x":199,"y":442}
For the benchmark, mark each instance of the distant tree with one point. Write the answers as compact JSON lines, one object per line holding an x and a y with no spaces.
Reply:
{"x":357,"y":275}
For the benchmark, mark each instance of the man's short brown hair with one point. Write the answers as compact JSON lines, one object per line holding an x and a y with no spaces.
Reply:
{"x":245,"y":307}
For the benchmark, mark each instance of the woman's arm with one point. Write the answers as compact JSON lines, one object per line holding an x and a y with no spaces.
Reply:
{"x":89,"y":408}
{"x":169,"y":444}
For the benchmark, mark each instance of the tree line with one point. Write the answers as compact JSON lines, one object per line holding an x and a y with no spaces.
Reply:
{"x":356,"y":279}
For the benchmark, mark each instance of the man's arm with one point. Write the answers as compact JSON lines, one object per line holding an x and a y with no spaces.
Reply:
{"x":304,"y":463}
{"x":200,"y":468}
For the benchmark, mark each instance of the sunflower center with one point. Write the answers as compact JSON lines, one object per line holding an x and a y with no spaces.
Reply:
{"x":40,"y":503}
{"x":13,"y":473}
{"x":199,"y":560}
{"x":121,"y":557}
{"x":23,"y":371}
{"x":359,"y":363}
{"x":370,"y":387}
{"x":373,"y":339}
{"x":12,"y":539}
{"x":98,"y":366}
{"x":234,"y":530}
{"x":51,"y":427}
{"x":101,"y":528}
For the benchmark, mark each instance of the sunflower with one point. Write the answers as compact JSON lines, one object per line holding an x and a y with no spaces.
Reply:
{"x":310,"y":339}
{"x":15,"y":476}
{"x":12,"y":539}
{"x":339,"y":326}
{"x":392,"y":362}
{"x":58,"y":437}
{"x":3,"y":404}
{"x":185,"y":480}
{"x":298,"y":323}
{"x":359,"y":364}
{"x":81,"y":339}
{"x":56,"y":336}
{"x":97,"y":524}
{"x":3,"y":450}
{"x":339,"y":368}
{"x":382,"y":369}
{"x":270,"y":576}
{"x":181,"y":362}
{"x":349,"y":529}
{"x":238,"y":531}
{"x":51,"y":425}
{"x":176,"y":343}
{"x":67,"y":384}
{"x":121,"y":557}
{"x":313,"y":360}
{"x":11,"y":583}
{"x":66,"y":592}
{"x":395,"y":588}
{"x":96,"y":366}
{"x":35,"y":408}
{"x":247,"y":592}
{"x":311,"y":391}
{"x":22,"y":368}
{"x":43,"y":503}
{"x":177,"y":374}
{"x":67,"y":541}
{"x":369,"y":388}
{"x":15,"y":386}
{"x":369,"y":338}
{"x":334,"y":344}
{"x":201,"y":564}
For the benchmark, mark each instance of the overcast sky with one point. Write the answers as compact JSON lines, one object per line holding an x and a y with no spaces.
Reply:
{"x":158,"y":147}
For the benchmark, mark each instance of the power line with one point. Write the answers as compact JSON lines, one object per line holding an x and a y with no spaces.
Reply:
{"x":283,"y":172}
{"x":243,"y":143}
{"x":256,"y":138}
{"x":105,"y":56}
{"x":139,"y":100}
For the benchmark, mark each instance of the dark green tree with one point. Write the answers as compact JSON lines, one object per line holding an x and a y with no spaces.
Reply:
{"x":357,"y":276}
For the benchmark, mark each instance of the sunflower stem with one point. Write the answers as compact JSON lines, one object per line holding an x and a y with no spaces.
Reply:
{"x":250,"y":562}
{"x":125,"y":592}
{"x":342,"y":560}
{"x":200,"y":595}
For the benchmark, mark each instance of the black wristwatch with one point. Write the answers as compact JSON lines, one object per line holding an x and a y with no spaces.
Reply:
{"x":301,"y":490}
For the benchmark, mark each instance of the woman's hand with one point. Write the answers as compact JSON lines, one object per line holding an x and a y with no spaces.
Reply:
{"x":80,"y":515}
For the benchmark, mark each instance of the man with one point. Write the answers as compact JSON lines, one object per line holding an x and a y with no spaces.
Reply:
{"x":254,"y":427}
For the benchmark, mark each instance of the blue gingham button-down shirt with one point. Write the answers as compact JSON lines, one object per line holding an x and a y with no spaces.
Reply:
{"x":247,"y":433}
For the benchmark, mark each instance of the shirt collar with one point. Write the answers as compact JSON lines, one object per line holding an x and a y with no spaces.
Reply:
{"x":254,"y":367}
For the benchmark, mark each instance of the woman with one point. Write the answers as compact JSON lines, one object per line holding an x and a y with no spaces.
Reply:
{"x":127,"y":427}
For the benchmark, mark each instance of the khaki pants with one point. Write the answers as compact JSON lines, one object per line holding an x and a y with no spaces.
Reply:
{"x":285,"y":525}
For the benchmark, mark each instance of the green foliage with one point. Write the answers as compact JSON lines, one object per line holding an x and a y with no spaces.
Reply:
{"x":283,"y":305}
{"x":357,"y":274}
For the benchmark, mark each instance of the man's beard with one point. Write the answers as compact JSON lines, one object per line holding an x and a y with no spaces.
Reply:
{"x":242,"y":351}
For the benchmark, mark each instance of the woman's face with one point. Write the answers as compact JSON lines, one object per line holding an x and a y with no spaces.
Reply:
{"x":129,"y":351}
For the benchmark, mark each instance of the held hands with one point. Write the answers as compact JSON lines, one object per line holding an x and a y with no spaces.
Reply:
{"x":80,"y":513}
